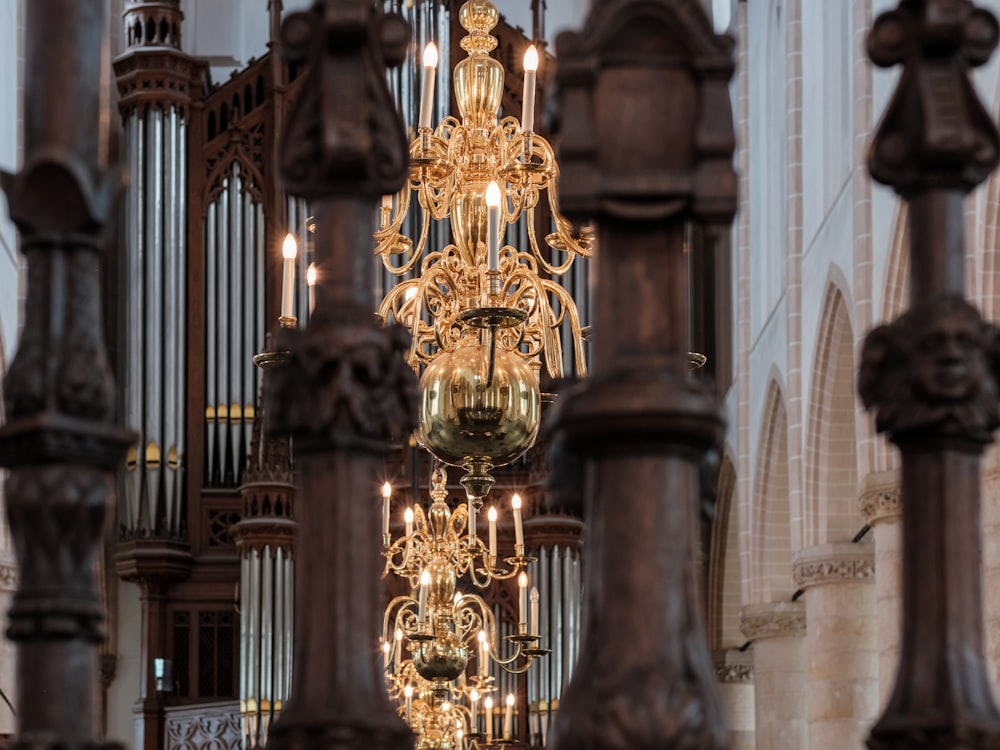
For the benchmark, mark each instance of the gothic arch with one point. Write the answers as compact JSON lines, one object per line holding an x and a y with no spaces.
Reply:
{"x":770,"y":542}
{"x":831,"y":431}
{"x":989,"y":279}
{"x":895,"y":299}
{"x":723,"y":605}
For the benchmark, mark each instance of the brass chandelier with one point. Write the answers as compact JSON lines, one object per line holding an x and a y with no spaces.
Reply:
{"x":430,"y":637}
{"x":484,"y":315}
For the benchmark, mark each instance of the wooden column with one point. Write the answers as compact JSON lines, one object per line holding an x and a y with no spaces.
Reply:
{"x":60,"y":441}
{"x":931,"y":376}
{"x":647,"y":144}
{"x":346,"y":391}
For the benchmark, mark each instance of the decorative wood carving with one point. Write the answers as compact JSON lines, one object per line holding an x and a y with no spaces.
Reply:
{"x":647,"y":142}
{"x":345,"y":393}
{"x":60,"y":441}
{"x":938,"y":399}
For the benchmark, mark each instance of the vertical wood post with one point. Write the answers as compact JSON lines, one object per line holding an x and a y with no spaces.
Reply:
{"x":931,"y":376}
{"x":646,"y":148}
{"x":346,"y":390}
{"x":60,"y":441}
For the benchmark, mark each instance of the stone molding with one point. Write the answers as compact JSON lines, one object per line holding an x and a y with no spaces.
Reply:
{"x":773,"y":620}
{"x":8,"y":577}
{"x":842,"y":562}
{"x":881,"y":497}
{"x":733,"y":666}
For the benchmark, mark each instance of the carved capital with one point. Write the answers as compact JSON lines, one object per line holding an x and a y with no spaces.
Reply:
{"x":56,"y":514}
{"x":881,"y":497}
{"x":8,"y":577}
{"x":833,"y":563}
{"x":344,"y":386}
{"x":933,"y":369}
{"x":773,"y":620}
{"x":935,"y":131}
{"x":734,"y":666}
{"x":344,"y":134}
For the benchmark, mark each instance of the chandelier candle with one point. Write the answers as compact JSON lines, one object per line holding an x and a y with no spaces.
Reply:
{"x":425,"y":582}
{"x":289,"y":250}
{"x":508,"y":717}
{"x":522,"y":601}
{"x":472,"y":520}
{"x":427,"y":87}
{"x":484,"y":653}
{"x":493,"y":226}
{"x":492,"y":515}
{"x":515,"y":504}
{"x":386,"y":498}
{"x":528,"y":100}
{"x":311,"y":282}
{"x":488,"y":711}
{"x":534,"y":611}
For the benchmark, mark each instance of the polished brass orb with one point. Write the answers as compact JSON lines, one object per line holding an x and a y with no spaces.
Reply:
{"x":443,"y":658}
{"x":469,"y":415}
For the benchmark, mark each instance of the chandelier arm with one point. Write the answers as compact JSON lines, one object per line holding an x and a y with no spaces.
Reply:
{"x":569,"y":311}
{"x":553,"y":269}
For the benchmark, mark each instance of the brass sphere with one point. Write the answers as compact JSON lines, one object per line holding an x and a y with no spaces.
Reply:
{"x":462,"y":419}
{"x":442,"y":658}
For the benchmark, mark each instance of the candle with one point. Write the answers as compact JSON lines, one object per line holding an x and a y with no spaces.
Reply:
{"x":534,"y":611}
{"x":493,"y":226}
{"x":473,"y":701}
{"x":399,"y":650}
{"x":408,"y":694}
{"x":408,"y":520}
{"x":311,"y":281}
{"x":522,"y":598}
{"x":483,"y":653}
{"x":508,"y":717}
{"x":472,"y":522}
{"x":427,"y":86}
{"x":425,"y":582}
{"x":289,"y":250}
{"x":515,"y":503}
{"x":488,"y":711}
{"x":386,"y":497}
{"x":493,"y":534}
{"x":528,"y":100}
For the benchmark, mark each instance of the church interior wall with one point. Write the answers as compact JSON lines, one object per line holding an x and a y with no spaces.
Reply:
{"x":766,"y":141}
{"x":775,"y":514}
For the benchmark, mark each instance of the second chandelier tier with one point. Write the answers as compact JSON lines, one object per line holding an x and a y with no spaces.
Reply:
{"x":484,"y":315}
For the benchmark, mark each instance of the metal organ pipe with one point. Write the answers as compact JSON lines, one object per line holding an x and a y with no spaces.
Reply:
{"x":266,"y":633}
{"x":212,"y":476}
{"x":557,"y":572}
{"x":154,"y":266}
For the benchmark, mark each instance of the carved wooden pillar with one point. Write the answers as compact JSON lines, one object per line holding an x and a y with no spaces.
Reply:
{"x":60,"y":442}
{"x":647,"y":143}
{"x":346,"y":391}
{"x":931,"y":376}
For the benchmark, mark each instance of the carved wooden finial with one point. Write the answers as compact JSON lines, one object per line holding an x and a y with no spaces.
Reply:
{"x":344,"y":134}
{"x":689,"y":168}
{"x":935,"y":131}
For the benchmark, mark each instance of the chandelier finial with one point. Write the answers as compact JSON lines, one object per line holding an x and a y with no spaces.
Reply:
{"x":479,"y":17}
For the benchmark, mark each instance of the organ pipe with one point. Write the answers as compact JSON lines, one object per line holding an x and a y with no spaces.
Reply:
{"x":234,"y":296}
{"x":154,"y":266}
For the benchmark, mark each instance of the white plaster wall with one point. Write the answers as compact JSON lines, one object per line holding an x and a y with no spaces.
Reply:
{"x":123,"y":694}
{"x":767,"y":149}
{"x":10,"y":118}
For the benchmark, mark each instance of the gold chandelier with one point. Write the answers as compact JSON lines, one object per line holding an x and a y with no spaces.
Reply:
{"x":430,"y":635}
{"x":484,"y":315}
